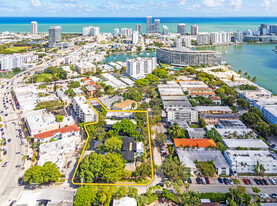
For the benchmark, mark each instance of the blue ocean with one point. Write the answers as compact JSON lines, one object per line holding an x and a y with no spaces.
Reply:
{"x":107,"y":24}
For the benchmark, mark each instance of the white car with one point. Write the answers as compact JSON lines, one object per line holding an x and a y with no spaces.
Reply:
{"x":263,"y":195}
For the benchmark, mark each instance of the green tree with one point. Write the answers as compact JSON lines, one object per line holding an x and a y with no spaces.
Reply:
{"x":263,"y":129}
{"x":59,"y":118}
{"x":220,"y":91}
{"x":255,"y":189}
{"x":86,"y":195}
{"x":175,"y":131}
{"x":142,"y":82}
{"x":243,"y":103}
{"x":273,"y":128}
{"x":250,"y":118}
{"x":174,"y":170}
{"x":256,"y":111}
{"x":133,"y":94}
{"x":49,"y":172}
{"x":113,"y":144}
{"x":97,"y":167}
{"x":126,"y":126}
{"x":228,"y":101}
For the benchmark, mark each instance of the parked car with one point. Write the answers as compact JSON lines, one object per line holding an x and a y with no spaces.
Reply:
{"x":198,"y":180}
{"x":272,"y":181}
{"x":275,"y":179}
{"x":273,"y":195}
{"x":207,"y":180}
{"x":263,"y":195}
{"x":9,"y":140}
{"x":245,"y":181}
{"x":203,"y":181}
{"x":262,"y":182}
{"x":257,"y":181}
{"x":250,"y":181}
{"x":6,"y":163}
{"x":230,"y":181}
{"x":265,"y":181}
{"x":226,"y":182}
{"x":189,"y":180}
{"x":220,"y":180}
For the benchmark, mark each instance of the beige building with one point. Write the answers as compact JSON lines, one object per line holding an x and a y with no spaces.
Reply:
{"x":125,"y":105}
{"x":85,"y":67}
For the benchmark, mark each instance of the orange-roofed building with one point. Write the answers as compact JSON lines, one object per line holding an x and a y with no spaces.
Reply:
{"x":89,"y":82}
{"x":194,"y":143}
{"x":60,"y":133}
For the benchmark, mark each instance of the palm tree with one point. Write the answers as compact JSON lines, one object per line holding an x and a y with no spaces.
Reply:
{"x":254,"y":79}
{"x":239,"y":72}
{"x":245,"y":74}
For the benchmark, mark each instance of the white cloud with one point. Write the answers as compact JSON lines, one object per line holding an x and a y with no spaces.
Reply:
{"x":236,"y":3}
{"x":35,"y":3}
{"x":181,"y":2}
{"x":213,"y":3}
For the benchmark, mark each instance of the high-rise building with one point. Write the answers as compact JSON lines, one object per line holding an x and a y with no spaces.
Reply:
{"x":178,"y":43}
{"x":187,"y":41}
{"x":91,"y":31}
{"x":263,"y":29}
{"x":194,"y":30}
{"x":138,"y":28}
{"x":203,"y":38}
{"x":220,"y":37}
{"x":152,"y":28}
{"x":116,"y":32}
{"x":165,"y":30}
{"x":139,"y":67}
{"x":8,"y":62}
{"x":34,"y":27}
{"x":181,"y":29}
{"x":55,"y":35}
{"x":135,"y":37}
{"x":125,"y":32}
{"x":238,"y":36}
{"x":273,"y":29}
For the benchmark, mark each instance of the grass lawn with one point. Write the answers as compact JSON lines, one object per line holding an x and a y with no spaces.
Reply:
{"x":42,"y":77}
{"x":16,"y":49}
{"x":194,"y":126}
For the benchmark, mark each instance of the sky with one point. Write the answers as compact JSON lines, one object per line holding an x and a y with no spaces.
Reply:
{"x":137,"y":8}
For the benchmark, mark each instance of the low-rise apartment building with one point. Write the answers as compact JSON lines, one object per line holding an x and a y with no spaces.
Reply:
{"x":214,"y":118}
{"x":83,"y":110}
{"x":245,"y":161}
{"x":195,"y":92}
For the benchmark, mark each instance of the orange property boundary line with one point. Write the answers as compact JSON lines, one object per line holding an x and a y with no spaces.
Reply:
{"x":120,"y":111}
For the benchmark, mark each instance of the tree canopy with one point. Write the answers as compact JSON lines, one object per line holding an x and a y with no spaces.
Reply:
{"x":101,"y":168}
{"x":49,"y":172}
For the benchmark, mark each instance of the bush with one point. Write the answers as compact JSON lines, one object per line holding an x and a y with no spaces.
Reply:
{"x":214,"y":197}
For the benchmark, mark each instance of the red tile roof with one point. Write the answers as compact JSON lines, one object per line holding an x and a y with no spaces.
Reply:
{"x":194,"y":142}
{"x":51,"y":133}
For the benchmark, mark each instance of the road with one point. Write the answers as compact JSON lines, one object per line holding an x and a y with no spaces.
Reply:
{"x":10,"y":189}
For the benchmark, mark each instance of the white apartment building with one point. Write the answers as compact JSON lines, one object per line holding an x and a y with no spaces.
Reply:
{"x":8,"y":62}
{"x":220,"y":37}
{"x":244,"y":161}
{"x":139,"y":67}
{"x":238,"y":36}
{"x":181,"y":29}
{"x":186,"y":114}
{"x":83,"y":110}
{"x":203,"y":38}
{"x":194,"y":30}
{"x":165,"y":30}
{"x":91,"y":31}
{"x":187,"y":41}
{"x":135,"y":37}
{"x":116,"y":32}
{"x":34,"y":27}
{"x":125,"y":32}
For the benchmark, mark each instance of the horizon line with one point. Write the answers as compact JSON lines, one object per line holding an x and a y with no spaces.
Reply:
{"x":136,"y":16}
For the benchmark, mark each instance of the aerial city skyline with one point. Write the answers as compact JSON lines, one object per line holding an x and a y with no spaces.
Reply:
{"x":119,"y":8}
{"x":137,"y":103}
